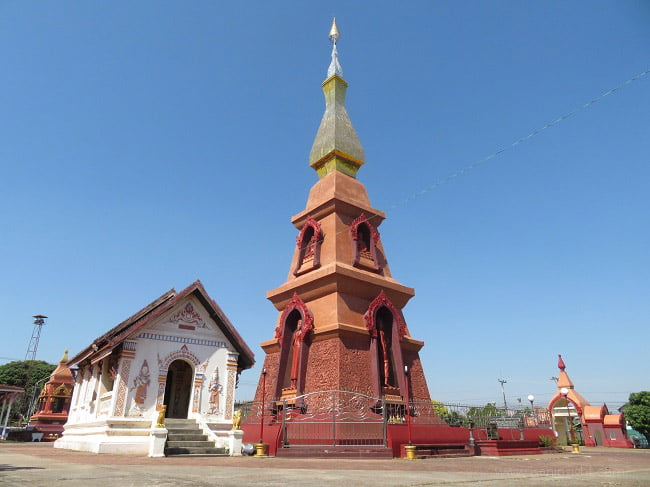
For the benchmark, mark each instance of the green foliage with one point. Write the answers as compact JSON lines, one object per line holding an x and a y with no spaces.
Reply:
{"x":637,"y":412}
{"x":439,"y":409}
{"x":546,"y":441}
{"x":25,"y":374}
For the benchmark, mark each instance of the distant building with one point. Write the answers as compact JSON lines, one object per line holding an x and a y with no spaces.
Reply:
{"x":8,"y":394}
{"x":180,"y":352}
{"x":592,"y":424}
{"x":54,"y":402}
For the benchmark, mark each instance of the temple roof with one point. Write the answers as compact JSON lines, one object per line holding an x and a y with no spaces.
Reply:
{"x":103,"y":345}
{"x":62,"y":373}
{"x":565,"y":382}
{"x":336,"y":146}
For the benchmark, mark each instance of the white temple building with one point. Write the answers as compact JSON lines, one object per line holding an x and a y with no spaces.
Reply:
{"x":181,"y":352}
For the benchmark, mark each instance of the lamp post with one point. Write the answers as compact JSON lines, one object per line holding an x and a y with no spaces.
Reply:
{"x":565,"y":392}
{"x":410,"y":447}
{"x":260,"y":447}
{"x":531,"y":398}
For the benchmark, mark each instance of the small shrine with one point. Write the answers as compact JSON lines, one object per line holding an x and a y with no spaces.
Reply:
{"x":177,"y":359}
{"x":54,"y":402}
{"x":575,"y":420}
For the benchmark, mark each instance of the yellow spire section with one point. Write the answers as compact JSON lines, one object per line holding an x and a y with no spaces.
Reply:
{"x":337,"y":146}
{"x":65,"y":356}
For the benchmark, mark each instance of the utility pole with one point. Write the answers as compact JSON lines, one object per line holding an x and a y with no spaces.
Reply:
{"x":505,"y":404}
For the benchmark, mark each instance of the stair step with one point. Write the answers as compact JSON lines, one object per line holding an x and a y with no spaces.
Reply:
{"x":202,"y":444}
{"x":191,"y":450}
{"x":186,"y":437}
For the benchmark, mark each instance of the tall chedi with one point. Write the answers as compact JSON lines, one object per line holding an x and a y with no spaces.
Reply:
{"x":340,"y":324}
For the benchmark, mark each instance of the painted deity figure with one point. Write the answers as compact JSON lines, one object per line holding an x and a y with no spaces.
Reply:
{"x":215,"y":389}
{"x":140,"y":384}
{"x":295,"y":358}
{"x":384,"y":349}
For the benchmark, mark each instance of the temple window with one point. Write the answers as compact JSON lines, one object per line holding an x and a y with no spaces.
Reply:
{"x":364,"y":244}
{"x":57,"y":404}
{"x":309,"y":242}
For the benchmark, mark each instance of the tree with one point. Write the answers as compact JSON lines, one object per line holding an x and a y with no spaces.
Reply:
{"x":25,"y":374}
{"x":637,"y":412}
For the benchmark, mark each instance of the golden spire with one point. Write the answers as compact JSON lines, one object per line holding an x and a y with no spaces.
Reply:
{"x":334,"y":32}
{"x":337,"y":146}
{"x":65,"y":356}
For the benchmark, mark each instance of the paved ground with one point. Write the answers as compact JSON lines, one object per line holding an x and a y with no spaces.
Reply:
{"x":39,"y":464}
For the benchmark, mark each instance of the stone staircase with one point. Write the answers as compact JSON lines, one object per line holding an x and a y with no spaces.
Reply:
{"x":443,"y":451}
{"x":184,"y":437}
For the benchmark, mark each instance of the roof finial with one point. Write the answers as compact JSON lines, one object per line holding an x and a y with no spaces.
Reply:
{"x":335,"y":67}
{"x":560,"y":363}
{"x":334,"y":32}
{"x":65,"y":356}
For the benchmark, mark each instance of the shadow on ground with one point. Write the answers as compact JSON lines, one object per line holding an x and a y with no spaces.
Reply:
{"x":11,"y":468}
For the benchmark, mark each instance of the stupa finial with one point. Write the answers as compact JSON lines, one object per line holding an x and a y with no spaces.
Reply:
{"x":335,"y":67}
{"x":334,"y":32}
{"x":65,"y":356}
{"x":560,"y":363}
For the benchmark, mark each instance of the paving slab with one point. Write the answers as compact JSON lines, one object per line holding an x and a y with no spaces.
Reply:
{"x":39,"y":464}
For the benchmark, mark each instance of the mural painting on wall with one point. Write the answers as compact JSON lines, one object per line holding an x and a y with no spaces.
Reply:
{"x":140,"y":384}
{"x":188,"y":319}
{"x":215,"y":390}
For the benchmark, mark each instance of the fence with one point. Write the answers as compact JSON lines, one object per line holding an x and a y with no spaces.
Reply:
{"x":343,"y":418}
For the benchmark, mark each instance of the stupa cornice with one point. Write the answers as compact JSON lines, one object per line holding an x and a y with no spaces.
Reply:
{"x":342,"y":278}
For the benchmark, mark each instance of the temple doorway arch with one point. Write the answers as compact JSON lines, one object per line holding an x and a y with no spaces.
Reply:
{"x":178,"y":389}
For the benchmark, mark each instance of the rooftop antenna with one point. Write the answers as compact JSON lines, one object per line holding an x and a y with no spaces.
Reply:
{"x":503,"y":381}
{"x":39,"y":321}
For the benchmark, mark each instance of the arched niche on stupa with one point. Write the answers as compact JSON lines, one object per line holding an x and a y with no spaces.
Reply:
{"x":365,"y":237}
{"x":296,"y":321}
{"x":309,"y":242}
{"x":387,"y":329}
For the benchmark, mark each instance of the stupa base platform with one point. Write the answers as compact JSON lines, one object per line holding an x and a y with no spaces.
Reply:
{"x":310,"y":451}
{"x":500,"y":448}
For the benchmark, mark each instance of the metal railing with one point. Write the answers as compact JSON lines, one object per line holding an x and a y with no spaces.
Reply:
{"x":340,"y":418}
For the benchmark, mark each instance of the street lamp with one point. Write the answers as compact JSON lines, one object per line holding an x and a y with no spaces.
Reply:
{"x":531,"y":398}
{"x":565,"y":392}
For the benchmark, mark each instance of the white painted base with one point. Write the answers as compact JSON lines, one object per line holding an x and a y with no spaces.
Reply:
{"x":132,"y":436}
{"x":235,"y":442}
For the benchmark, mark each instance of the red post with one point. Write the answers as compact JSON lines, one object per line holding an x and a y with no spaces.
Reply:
{"x":408,"y":404}
{"x":263,"y":395}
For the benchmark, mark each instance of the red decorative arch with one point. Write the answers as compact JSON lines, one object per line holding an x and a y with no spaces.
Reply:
{"x":378,"y":302}
{"x":354,"y":226}
{"x":182,"y":353}
{"x":309,"y":249}
{"x":307,"y":318}
{"x":318,"y":232}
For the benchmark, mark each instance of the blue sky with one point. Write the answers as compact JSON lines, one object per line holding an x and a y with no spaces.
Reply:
{"x":144,"y":145}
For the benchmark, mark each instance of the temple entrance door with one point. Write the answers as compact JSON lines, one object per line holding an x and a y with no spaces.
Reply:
{"x":178,"y":389}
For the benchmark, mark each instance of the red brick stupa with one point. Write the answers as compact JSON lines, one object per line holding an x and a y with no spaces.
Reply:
{"x":54,"y":402}
{"x":340,"y":324}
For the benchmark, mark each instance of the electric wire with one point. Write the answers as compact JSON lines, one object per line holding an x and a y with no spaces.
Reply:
{"x":464,"y":170}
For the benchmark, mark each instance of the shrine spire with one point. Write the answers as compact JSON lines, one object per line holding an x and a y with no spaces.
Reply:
{"x":337,"y":146}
